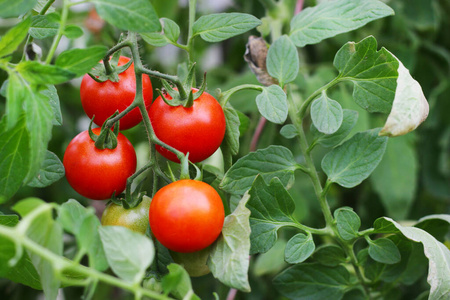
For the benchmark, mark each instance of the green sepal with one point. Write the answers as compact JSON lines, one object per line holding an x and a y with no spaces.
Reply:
{"x":107,"y":138}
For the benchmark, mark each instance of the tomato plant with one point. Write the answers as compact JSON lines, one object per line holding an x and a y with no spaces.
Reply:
{"x":186,"y":215}
{"x":198,"y":129}
{"x":98,"y":173}
{"x":102,"y":99}
{"x":135,"y":218}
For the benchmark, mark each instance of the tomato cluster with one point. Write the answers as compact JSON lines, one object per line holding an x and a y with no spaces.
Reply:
{"x":186,"y":216}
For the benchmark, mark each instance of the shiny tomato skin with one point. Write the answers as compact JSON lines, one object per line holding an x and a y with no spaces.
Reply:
{"x":135,"y":218}
{"x":186,"y":215}
{"x":198,"y":129}
{"x":95,"y":173}
{"x":102,"y":99}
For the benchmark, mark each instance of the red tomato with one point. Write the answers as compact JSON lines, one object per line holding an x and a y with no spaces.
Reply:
{"x":186,"y":215}
{"x":96,"y":173}
{"x":102,"y":99}
{"x":198,"y":129}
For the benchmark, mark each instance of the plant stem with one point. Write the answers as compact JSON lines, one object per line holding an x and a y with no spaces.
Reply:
{"x":308,"y":101}
{"x":62,"y":25}
{"x":60,"y":264}
{"x":190,"y":42}
{"x":225,"y":96}
{"x":257,"y":133}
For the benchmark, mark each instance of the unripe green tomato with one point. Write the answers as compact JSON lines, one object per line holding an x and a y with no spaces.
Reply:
{"x":135,"y":218}
{"x":194,"y":262}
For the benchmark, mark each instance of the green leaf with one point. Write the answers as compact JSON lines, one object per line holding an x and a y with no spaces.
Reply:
{"x":88,"y":240}
{"x":44,"y":26}
{"x":373,"y":73}
{"x":219,"y":27}
{"x":72,"y":31}
{"x":47,"y":233}
{"x":313,"y":281}
{"x":326,"y":114}
{"x":395,"y":178}
{"x":14,"y":159}
{"x":282,"y":60}
{"x":37,"y":73}
{"x":274,"y":161}
{"x":52,"y":95}
{"x":80,"y":61}
{"x":9,"y":9}
{"x":330,"y":140}
{"x":229,"y":257}
{"x":129,"y":263}
{"x":347,"y":222}
{"x":436,"y":225}
{"x":232,"y":129}
{"x":39,"y":119}
{"x":14,"y":37}
{"x":71,"y":215}
{"x":271,"y":208}
{"x":15,"y":97}
{"x":178,"y":283}
{"x":171,"y":30}
{"x":330,"y":18}
{"x":410,"y":107}
{"x":272,"y":104}
{"x":299,"y":248}
{"x":289,"y":131}
{"x":136,"y":15}
{"x":436,"y":252}
{"x":353,"y":161}
{"x":383,"y":250}
{"x":330,"y":255}
{"x":51,"y":171}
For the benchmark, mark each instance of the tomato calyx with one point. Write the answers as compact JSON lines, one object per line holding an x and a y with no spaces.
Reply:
{"x":107,"y":139}
{"x":130,"y":200}
{"x":177,"y":98}
{"x":109,"y":69}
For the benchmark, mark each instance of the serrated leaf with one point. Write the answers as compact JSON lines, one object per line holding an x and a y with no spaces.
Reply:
{"x":14,"y":37}
{"x":136,"y":15}
{"x":306,"y":280}
{"x":282,"y":60}
{"x":271,"y":208}
{"x":272,"y":104}
{"x":52,"y":95}
{"x":219,"y":27}
{"x":15,"y":97}
{"x":330,"y":18}
{"x":129,"y":263}
{"x":383,"y":250}
{"x":326,"y":114}
{"x":14,"y":158}
{"x":289,"y":131}
{"x":373,"y":73}
{"x":349,"y":118}
{"x":347,"y":223}
{"x":299,"y":248}
{"x":44,"y":26}
{"x":353,"y":161}
{"x":395,"y":178}
{"x":436,"y":252}
{"x":51,"y":171}
{"x":229,"y":257}
{"x":37,"y":73}
{"x":330,"y":255}
{"x":410,"y":107}
{"x":88,"y":240}
{"x":80,"y":61}
{"x":72,"y":31}
{"x":232,"y":129}
{"x":274,"y":161}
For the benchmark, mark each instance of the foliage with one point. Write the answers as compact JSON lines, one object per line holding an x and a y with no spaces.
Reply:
{"x":331,"y":188}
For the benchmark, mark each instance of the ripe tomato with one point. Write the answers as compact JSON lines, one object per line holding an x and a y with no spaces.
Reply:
{"x":186,"y":215}
{"x":198,"y":129}
{"x":96,"y":173}
{"x":135,"y":218}
{"x":102,"y":99}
